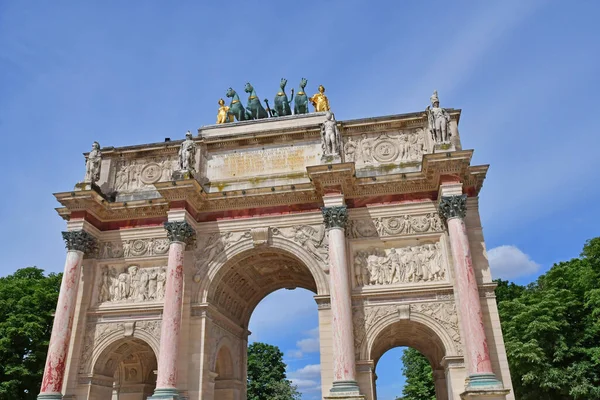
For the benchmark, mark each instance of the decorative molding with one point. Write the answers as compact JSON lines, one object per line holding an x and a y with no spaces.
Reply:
{"x":180,"y":231}
{"x":407,"y":265}
{"x":335,"y":217}
{"x":393,"y":226}
{"x":453,"y":206}
{"x":134,"y":248}
{"x":80,"y":241}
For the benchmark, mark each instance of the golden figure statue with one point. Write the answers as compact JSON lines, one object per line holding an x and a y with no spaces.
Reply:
{"x":320,"y":101}
{"x":223,"y":116}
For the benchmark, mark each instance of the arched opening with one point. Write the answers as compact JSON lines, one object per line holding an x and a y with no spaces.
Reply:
{"x":407,"y":333}
{"x":126,"y":370}
{"x":235,"y":291}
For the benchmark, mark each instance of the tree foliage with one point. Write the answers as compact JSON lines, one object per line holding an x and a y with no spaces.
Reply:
{"x":266,"y":374}
{"x":419,"y":376}
{"x":551,"y":331}
{"x":27,"y":302}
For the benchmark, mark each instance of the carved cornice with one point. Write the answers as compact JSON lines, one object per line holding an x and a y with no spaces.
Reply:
{"x":335,"y":217}
{"x":453,"y":206}
{"x":180,"y":231}
{"x":80,"y":241}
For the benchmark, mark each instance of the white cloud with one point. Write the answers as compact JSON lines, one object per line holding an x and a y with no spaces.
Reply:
{"x":509,"y":262}
{"x":307,"y":378}
{"x":310,"y":344}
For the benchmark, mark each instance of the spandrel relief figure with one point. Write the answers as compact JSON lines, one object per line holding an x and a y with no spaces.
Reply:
{"x":399,"y":265}
{"x":438,"y":120}
{"x":330,"y":136}
{"x":187,"y":153}
{"x":93,"y":164}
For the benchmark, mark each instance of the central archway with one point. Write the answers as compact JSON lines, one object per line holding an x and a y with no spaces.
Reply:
{"x":235,"y":288}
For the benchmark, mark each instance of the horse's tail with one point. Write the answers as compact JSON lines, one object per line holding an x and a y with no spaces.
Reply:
{"x":291,"y":98}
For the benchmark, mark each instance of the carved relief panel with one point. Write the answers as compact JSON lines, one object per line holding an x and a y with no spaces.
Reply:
{"x":133,"y":248}
{"x":401,"y":147}
{"x":375,"y":266}
{"x":142,"y":173}
{"x":131,"y":284}
{"x":395,"y":225}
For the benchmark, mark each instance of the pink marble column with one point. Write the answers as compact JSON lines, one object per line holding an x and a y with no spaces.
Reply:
{"x":453,"y":208}
{"x":78,"y":243}
{"x":344,"y":365}
{"x":179,"y":234}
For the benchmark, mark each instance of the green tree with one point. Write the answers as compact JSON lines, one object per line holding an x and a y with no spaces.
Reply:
{"x":419,"y":376}
{"x":27,"y":301}
{"x":552,"y":331}
{"x":266,"y":374}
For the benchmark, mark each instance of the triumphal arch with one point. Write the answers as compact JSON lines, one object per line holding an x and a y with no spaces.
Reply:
{"x":171,"y":245}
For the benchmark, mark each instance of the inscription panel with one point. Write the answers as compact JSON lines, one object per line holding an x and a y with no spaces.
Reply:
{"x":262,"y":161}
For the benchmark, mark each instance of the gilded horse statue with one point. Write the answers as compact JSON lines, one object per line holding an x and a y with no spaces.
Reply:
{"x":236,"y":108}
{"x":254,"y":108}
{"x":282,"y":105}
{"x":301,"y":104}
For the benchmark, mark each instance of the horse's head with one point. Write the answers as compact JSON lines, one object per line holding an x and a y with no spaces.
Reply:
{"x":248,"y":88}
{"x":283,"y":83}
{"x":230,"y":92}
{"x":303,"y":83}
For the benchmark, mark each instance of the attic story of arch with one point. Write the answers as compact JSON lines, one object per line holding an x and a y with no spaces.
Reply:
{"x":438,"y":123}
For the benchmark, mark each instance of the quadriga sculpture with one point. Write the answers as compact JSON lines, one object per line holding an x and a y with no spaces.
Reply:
{"x":254,"y":108}
{"x":301,"y":103}
{"x":236,"y":108}
{"x":282,"y":105}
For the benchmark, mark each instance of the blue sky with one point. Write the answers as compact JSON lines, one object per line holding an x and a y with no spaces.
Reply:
{"x":525,"y":73}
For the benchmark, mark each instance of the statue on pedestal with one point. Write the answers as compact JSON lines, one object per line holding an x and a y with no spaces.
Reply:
{"x":301,"y":102}
{"x":223,"y":115}
{"x":93,"y":164}
{"x":438,"y":120}
{"x":187,"y":153}
{"x":320,"y":101}
{"x":330,"y":136}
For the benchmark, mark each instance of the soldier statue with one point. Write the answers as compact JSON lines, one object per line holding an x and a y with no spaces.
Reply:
{"x":187,"y":153}
{"x":438,"y":120}
{"x":93,"y":164}
{"x":330,"y":135}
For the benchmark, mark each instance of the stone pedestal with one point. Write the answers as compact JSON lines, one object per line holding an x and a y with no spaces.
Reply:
{"x":481,"y":376}
{"x":344,"y":366}
{"x":179,"y":234}
{"x":78,"y":243}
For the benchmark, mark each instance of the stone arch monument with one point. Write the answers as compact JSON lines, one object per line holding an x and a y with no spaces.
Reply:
{"x":165,"y":265}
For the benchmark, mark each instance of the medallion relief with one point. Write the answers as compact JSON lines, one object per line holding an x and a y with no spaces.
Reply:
{"x":389,"y":148}
{"x":413,"y":264}
{"x":132,"y":284}
{"x":396,"y":225}
{"x":143,"y":173}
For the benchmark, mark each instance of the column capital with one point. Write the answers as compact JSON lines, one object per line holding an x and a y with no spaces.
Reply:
{"x":180,"y":231}
{"x":80,"y":241}
{"x":453,"y":206}
{"x":335,"y":217}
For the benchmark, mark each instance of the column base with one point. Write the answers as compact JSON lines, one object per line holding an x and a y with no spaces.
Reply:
{"x":50,"y":396}
{"x":345,"y":390}
{"x":165,"y":394}
{"x":484,"y":386}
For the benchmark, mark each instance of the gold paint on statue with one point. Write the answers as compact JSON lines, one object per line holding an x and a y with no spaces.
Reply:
{"x":320,"y":101}
{"x":222,"y":116}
